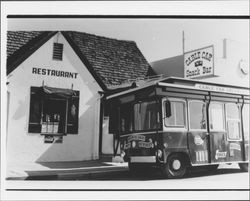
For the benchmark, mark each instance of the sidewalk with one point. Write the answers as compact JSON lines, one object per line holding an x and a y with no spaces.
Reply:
{"x":65,"y":170}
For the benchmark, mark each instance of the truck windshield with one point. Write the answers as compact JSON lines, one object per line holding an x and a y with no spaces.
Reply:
{"x":177,"y":118}
{"x":145,"y":115}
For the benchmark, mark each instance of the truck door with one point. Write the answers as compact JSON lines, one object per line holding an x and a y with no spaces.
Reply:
{"x":218,"y":134}
{"x":198,"y":135}
{"x":225,"y":137}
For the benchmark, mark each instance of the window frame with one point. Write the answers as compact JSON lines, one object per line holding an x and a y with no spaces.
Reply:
{"x":158,"y":119}
{"x":130,"y":106}
{"x":174,"y":128}
{"x":188,"y":107}
{"x":243,"y":120}
{"x":239,"y":120}
{"x":223,"y":113}
{"x":35,"y":91}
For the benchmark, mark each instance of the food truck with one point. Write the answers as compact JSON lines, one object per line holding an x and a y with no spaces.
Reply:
{"x":176,"y":123}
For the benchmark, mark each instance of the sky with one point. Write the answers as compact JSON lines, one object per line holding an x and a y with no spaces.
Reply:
{"x":157,"y":38}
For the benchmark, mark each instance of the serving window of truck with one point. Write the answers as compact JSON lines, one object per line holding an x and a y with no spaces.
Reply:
{"x":176,"y":123}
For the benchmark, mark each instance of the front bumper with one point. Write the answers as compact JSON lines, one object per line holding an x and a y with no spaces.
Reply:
{"x":143,"y":159}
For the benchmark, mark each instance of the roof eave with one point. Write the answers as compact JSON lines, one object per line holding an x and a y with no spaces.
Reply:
{"x":14,"y":61}
{"x":84,"y":60}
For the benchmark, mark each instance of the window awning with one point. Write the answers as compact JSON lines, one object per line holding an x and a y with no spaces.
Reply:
{"x":59,"y":92}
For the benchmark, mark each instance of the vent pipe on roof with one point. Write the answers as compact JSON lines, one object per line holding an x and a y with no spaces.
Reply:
{"x":224,"y":48}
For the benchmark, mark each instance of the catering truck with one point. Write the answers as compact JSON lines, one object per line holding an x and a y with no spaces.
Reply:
{"x":175,"y":123}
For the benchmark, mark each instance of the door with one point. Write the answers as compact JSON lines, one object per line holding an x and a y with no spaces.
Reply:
{"x":225,"y":132}
{"x":198,"y":137}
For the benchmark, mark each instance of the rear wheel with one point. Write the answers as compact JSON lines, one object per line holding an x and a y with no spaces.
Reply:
{"x":244,"y":167}
{"x":175,"y":167}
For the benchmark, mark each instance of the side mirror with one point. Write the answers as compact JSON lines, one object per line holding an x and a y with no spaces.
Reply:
{"x":168,"y":108}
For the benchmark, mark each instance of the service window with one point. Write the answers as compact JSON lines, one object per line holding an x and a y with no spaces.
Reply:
{"x":233,"y":121}
{"x":245,"y":119}
{"x":54,"y":111}
{"x":53,"y":116}
{"x":177,"y":117}
{"x":145,"y":115}
{"x":197,"y":115}
{"x":216,"y":116}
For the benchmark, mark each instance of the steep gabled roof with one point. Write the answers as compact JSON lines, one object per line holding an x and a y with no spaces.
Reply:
{"x":21,"y":44}
{"x":110,"y":61}
{"x":113,"y":60}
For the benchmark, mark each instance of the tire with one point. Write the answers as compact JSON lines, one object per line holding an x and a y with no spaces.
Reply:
{"x":244,"y":167}
{"x":176,"y":166}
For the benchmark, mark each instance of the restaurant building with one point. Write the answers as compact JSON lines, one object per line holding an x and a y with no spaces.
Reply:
{"x":55,"y":84}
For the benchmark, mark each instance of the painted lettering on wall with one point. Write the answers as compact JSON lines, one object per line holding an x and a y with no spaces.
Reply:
{"x":199,"y":63}
{"x":56,"y":73}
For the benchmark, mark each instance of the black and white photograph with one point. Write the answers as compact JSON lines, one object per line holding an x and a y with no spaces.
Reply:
{"x":104,"y":101}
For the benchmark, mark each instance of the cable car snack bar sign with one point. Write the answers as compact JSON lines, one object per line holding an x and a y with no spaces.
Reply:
{"x":199,"y":63}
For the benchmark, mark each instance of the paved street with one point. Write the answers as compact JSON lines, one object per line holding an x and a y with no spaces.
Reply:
{"x":225,"y":177}
{"x":226,"y":183}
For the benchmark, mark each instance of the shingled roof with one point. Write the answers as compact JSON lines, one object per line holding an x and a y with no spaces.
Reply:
{"x":21,"y":44}
{"x":110,"y":61}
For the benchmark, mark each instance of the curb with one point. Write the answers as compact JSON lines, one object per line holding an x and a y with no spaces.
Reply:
{"x":95,"y":174}
{"x":90,"y":175}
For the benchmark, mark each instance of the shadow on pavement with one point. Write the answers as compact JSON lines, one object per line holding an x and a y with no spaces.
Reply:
{"x":124,"y":175}
{"x":74,"y":164}
{"x":155,"y":174}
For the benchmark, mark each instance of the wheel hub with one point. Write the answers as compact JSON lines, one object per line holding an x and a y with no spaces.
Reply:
{"x":176,"y":165}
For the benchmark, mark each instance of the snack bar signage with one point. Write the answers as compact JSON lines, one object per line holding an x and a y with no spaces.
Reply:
{"x":199,"y":63}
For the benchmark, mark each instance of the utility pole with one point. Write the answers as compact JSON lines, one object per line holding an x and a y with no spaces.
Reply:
{"x":183,"y":52}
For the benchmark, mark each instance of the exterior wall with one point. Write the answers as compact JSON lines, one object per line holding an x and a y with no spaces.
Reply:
{"x":30,"y":147}
{"x":228,"y":54}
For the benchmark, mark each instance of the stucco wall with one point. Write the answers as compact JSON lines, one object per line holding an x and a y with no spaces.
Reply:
{"x":228,"y":54}
{"x":30,"y":147}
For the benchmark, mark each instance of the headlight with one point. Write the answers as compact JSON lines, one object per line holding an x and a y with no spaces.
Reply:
{"x":159,"y":153}
{"x":165,"y":145}
{"x":123,"y":154}
{"x":133,"y":144}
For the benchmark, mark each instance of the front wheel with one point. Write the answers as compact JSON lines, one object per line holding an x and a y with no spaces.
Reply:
{"x":175,"y":167}
{"x":244,"y":167}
